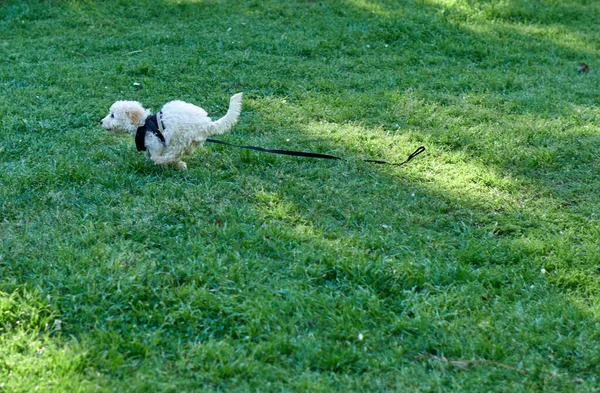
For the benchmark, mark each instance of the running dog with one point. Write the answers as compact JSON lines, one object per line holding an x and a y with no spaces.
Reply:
{"x":173,"y":133}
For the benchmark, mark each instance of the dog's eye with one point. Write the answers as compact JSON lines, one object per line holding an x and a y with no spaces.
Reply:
{"x":112,"y":115}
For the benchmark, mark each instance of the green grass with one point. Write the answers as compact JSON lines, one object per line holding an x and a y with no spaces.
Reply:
{"x":474,"y":268}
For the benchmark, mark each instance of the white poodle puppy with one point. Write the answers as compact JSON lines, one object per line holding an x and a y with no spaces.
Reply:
{"x":173,"y":133}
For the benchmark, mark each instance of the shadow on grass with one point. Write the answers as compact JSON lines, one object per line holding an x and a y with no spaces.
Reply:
{"x":250,"y":266}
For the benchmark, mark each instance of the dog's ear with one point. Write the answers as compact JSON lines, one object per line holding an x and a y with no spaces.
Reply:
{"x":135,"y":116}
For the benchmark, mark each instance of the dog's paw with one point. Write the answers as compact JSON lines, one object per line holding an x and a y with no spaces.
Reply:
{"x":180,"y":166}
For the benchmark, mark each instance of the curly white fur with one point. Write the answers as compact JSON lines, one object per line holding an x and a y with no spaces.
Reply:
{"x":186,"y":127}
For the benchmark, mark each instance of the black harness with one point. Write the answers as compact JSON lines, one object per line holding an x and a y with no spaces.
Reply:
{"x":151,"y":125}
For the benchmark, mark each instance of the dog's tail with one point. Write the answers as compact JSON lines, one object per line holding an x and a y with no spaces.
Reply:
{"x":225,"y":123}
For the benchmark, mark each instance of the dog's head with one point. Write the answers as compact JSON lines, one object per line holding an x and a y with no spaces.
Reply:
{"x":125,"y":116}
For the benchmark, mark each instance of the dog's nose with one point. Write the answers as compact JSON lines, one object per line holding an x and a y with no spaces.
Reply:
{"x":101,"y":122}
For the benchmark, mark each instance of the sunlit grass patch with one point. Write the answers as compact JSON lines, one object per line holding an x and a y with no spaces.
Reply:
{"x":471,"y":268}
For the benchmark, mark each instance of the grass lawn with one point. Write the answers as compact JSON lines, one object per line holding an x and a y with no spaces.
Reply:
{"x":474,"y":268}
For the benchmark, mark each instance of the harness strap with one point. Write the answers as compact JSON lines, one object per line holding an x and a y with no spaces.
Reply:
{"x":161,"y":126}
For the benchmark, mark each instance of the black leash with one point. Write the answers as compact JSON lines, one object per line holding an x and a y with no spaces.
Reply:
{"x":419,"y":150}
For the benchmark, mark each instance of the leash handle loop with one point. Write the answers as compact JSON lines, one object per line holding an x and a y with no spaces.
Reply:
{"x":419,"y":150}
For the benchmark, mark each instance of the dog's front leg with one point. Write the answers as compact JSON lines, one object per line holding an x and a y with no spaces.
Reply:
{"x":168,"y":160}
{"x":180,"y":166}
